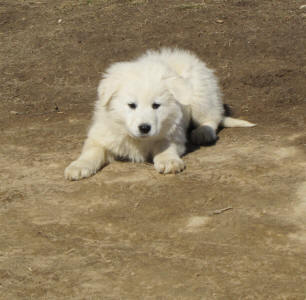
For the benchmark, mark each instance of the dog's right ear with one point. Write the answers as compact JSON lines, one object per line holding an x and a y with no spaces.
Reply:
{"x":112,"y":82}
{"x":107,"y":89}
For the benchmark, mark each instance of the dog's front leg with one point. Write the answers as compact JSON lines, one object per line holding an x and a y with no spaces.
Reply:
{"x":93,"y":157}
{"x":167,"y":159}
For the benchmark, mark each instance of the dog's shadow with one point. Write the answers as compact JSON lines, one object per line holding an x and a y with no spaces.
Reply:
{"x":190,"y":147}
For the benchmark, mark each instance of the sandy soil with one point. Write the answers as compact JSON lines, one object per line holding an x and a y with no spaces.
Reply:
{"x":128,"y":232}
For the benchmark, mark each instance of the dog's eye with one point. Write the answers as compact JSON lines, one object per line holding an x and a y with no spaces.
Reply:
{"x":132,"y":105}
{"x":155,"y":105}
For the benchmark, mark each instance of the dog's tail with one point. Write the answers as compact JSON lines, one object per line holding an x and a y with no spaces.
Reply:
{"x":232,"y":122}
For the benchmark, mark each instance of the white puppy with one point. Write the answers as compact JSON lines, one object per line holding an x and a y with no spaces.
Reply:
{"x":144,"y":108}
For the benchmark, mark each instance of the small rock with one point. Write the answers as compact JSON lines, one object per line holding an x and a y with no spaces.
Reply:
{"x":219,"y":21}
{"x":303,"y":6}
{"x":59,"y":21}
{"x":13,"y":112}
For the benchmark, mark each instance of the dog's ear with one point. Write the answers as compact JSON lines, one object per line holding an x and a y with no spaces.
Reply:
{"x":179,"y":88}
{"x":112,"y":81}
{"x":106,"y":90}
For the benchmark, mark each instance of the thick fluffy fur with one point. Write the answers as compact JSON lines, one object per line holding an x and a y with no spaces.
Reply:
{"x":144,"y":108}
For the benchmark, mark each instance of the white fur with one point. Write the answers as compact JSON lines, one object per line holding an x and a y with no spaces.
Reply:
{"x":186,"y":91}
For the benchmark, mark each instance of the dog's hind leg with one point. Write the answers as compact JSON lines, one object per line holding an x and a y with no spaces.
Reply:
{"x":92,"y":158}
{"x":167,"y":159}
{"x":206,"y":113}
{"x":206,"y":117}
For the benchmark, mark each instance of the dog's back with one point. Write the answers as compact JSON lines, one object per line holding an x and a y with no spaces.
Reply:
{"x":182,"y":62}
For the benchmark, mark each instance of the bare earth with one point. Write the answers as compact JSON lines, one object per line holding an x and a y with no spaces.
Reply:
{"x":231,"y":226}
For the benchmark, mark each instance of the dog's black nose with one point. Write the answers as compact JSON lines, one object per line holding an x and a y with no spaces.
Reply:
{"x":144,"y":128}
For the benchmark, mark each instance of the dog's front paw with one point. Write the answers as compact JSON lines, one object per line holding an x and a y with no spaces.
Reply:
{"x":203,"y":135}
{"x":79,"y":169}
{"x":172,"y":165}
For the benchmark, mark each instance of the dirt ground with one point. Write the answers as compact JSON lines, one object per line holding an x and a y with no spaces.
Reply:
{"x":129,"y":232}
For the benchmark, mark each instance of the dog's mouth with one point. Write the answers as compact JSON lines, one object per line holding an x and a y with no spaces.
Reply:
{"x":140,"y":136}
{"x":136,"y":136}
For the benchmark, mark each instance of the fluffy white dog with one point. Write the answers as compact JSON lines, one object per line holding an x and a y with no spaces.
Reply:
{"x":144,"y":108}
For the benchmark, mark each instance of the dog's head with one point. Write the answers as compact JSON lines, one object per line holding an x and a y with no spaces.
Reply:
{"x":144,"y":98}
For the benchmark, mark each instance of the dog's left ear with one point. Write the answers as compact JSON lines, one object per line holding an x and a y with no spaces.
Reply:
{"x":106,"y":90}
{"x":179,"y":88}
